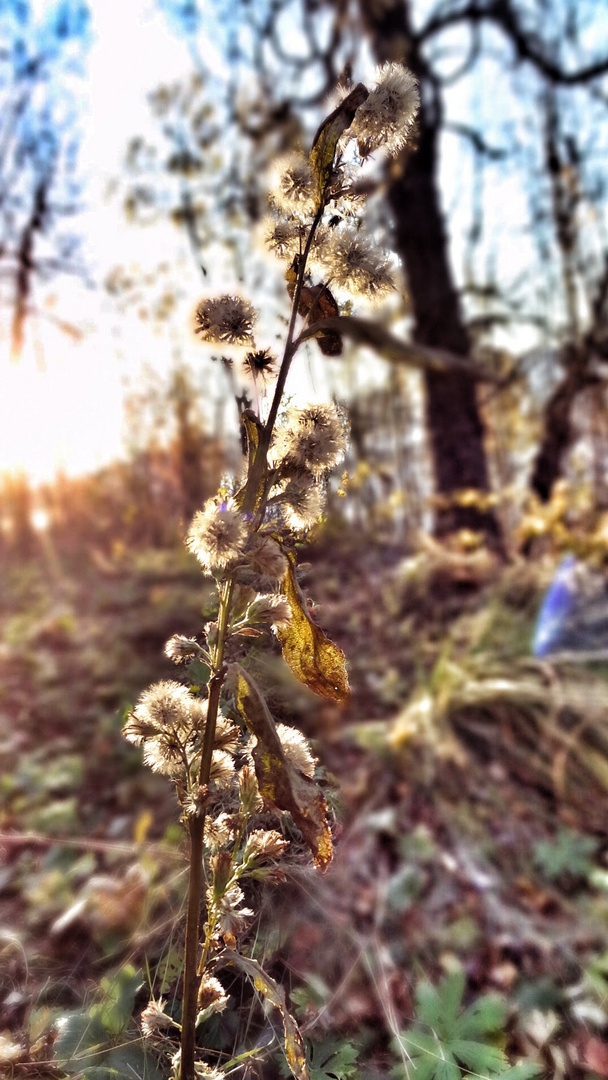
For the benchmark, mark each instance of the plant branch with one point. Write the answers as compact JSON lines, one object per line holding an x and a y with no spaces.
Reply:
{"x":258,"y":469}
{"x":196,"y":832}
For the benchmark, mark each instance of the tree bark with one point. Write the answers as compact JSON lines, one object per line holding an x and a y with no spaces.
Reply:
{"x":557,"y":424}
{"x":454,"y":421}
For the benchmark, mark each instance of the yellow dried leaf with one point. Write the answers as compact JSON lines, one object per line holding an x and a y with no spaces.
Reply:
{"x":313,"y":658}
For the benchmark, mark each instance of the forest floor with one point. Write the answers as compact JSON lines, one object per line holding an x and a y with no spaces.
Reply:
{"x":471,"y":806}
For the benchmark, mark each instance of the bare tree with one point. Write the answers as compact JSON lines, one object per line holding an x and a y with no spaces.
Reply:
{"x":519,"y":54}
{"x":39,"y":138}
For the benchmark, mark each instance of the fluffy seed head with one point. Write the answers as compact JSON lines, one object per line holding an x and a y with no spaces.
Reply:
{"x":385,"y":118}
{"x":165,"y":720}
{"x":227,"y":735}
{"x":222,"y":768}
{"x":136,"y":730}
{"x":165,"y":754}
{"x":231,"y":915}
{"x":357,"y":266}
{"x":249,"y":792}
{"x":225,"y":319}
{"x":260,"y":364}
{"x":166,"y":705}
{"x":284,"y":238}
{"x":312,"y":438}
{"x":217,"y":535}
{"x":301,"y":504}
{"x":180,"y":648}
{"x":292,"y":188}
{"x":219,"y":831}
{"x":211,"y":995}
{"x":266,"y":558}
{"x":269,"y":610}
{"x":10,"y":1052}
{"x":296,"y":749}
{"x":263,"y":844}
{"x":154,"y":1019}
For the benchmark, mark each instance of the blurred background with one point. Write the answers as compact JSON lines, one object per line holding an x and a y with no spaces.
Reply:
{"x":462,"y":563}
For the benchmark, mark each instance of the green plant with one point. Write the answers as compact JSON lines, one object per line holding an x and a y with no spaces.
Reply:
{"x":330,"y":1059}
{"x":568,"y":858}
{"x":102,"y":1042}
{"x":449,"y":1041}
{"x":213,"y":735}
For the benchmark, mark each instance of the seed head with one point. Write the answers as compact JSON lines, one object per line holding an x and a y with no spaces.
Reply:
{"x":266,"y":558}
{"x":166,"y":705}
{"x":231,"y":914}
{"x":154,"y":1019}
{"x":10,"y":1052}
{"x":249,"y":792}
{"x":260,"y":364}
{"x":219,"y":831}
{"x":269,"y":610}
{"x":292,"y":188}
{"x":227,"y":735}
{"x":180,"y":648}
{"x":285,"y":238}
{"x":217,"y":535}
{"x":165,"y":754}
{"x":222,"y":768}
{"x":312,"y":438}
{"x":263,"y":844}
{"x":136,"y":730}
{"x":296,"y":749}
{"x":302,"y":504}
{"x":212,"y":997}
{"x":227,"y":319}
{"x":386,"y":117}
{"x":357,"y":266}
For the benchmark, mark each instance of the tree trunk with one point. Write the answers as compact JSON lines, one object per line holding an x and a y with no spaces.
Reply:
{"x":557,"y":425}
{"x":454,"y":421}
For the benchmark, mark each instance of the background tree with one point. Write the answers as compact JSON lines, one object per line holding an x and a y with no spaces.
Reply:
{"x":484,"y":264}
{"x":39,"y":61}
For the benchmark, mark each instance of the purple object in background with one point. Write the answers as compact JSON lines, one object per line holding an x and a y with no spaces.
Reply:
{"x":557,"y":605}
{"x":573,"y":618}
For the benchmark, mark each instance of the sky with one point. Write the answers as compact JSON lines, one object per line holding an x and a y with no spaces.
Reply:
{"x":61,"y":405}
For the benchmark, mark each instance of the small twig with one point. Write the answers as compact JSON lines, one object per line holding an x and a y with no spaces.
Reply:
{"x":85,"y":843}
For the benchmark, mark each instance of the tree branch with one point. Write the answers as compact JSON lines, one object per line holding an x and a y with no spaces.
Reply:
{"x":527,"y":48}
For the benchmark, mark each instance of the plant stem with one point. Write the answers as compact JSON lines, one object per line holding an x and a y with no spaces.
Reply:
{"x":196,"y":831}
{"x":193,"y":968}
{"x":195,"y":886}
{"x":258,"y":469}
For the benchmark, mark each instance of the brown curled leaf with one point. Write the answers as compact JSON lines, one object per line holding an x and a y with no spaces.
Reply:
{"x":327,"y":137}
{"x":280,"y":784}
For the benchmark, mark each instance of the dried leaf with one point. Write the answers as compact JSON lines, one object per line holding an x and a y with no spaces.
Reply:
{"x":249,"y":495}
{"x":325,"y":141}
{"x":316,"y":301}
{"x":313,"y":658}
{"x":279,"y":782}
{"x":294,"y":1045}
